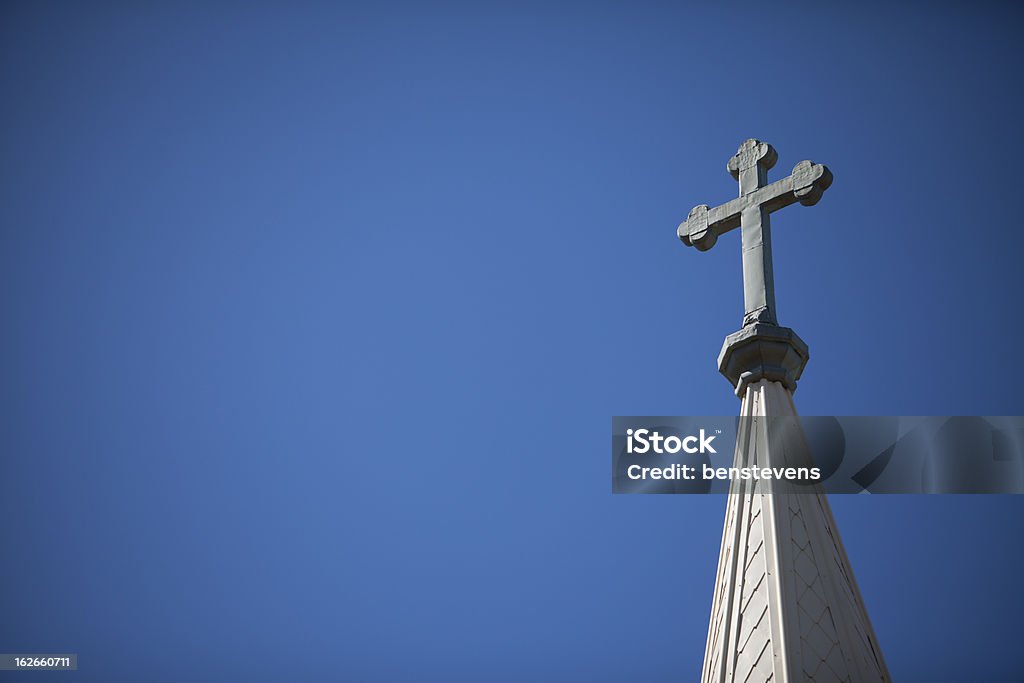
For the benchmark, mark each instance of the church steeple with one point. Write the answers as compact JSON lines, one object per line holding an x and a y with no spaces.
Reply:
{"x":786,"y":606}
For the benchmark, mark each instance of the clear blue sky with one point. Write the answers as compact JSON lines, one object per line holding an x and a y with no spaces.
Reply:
{"x":314,"y":317}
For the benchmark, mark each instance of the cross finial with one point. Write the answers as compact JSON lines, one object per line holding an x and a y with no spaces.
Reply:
{"x":750,"y":212}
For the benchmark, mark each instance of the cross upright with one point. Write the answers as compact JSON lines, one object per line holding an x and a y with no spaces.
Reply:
{"x":750,"y":212}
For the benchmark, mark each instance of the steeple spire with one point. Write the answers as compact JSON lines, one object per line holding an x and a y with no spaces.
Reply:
{"x":786,"y":606}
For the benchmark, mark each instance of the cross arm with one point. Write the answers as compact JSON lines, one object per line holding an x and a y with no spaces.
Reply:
{"x":805,"y":185}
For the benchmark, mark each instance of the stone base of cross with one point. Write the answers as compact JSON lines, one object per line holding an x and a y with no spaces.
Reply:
{"x":762,"y":351}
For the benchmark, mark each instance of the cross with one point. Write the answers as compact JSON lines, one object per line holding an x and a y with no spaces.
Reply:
{"x":750,"y":212}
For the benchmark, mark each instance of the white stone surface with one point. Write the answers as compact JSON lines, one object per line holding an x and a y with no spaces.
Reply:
{"x":786,"y":606}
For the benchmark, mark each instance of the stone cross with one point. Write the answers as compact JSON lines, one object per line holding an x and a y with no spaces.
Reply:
{"x":750,"y":212}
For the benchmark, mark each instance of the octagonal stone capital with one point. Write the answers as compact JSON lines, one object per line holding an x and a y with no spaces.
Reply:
{"x":763,"y":351}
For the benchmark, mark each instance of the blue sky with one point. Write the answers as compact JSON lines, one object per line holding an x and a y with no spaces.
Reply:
{"x":315,"y":317}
